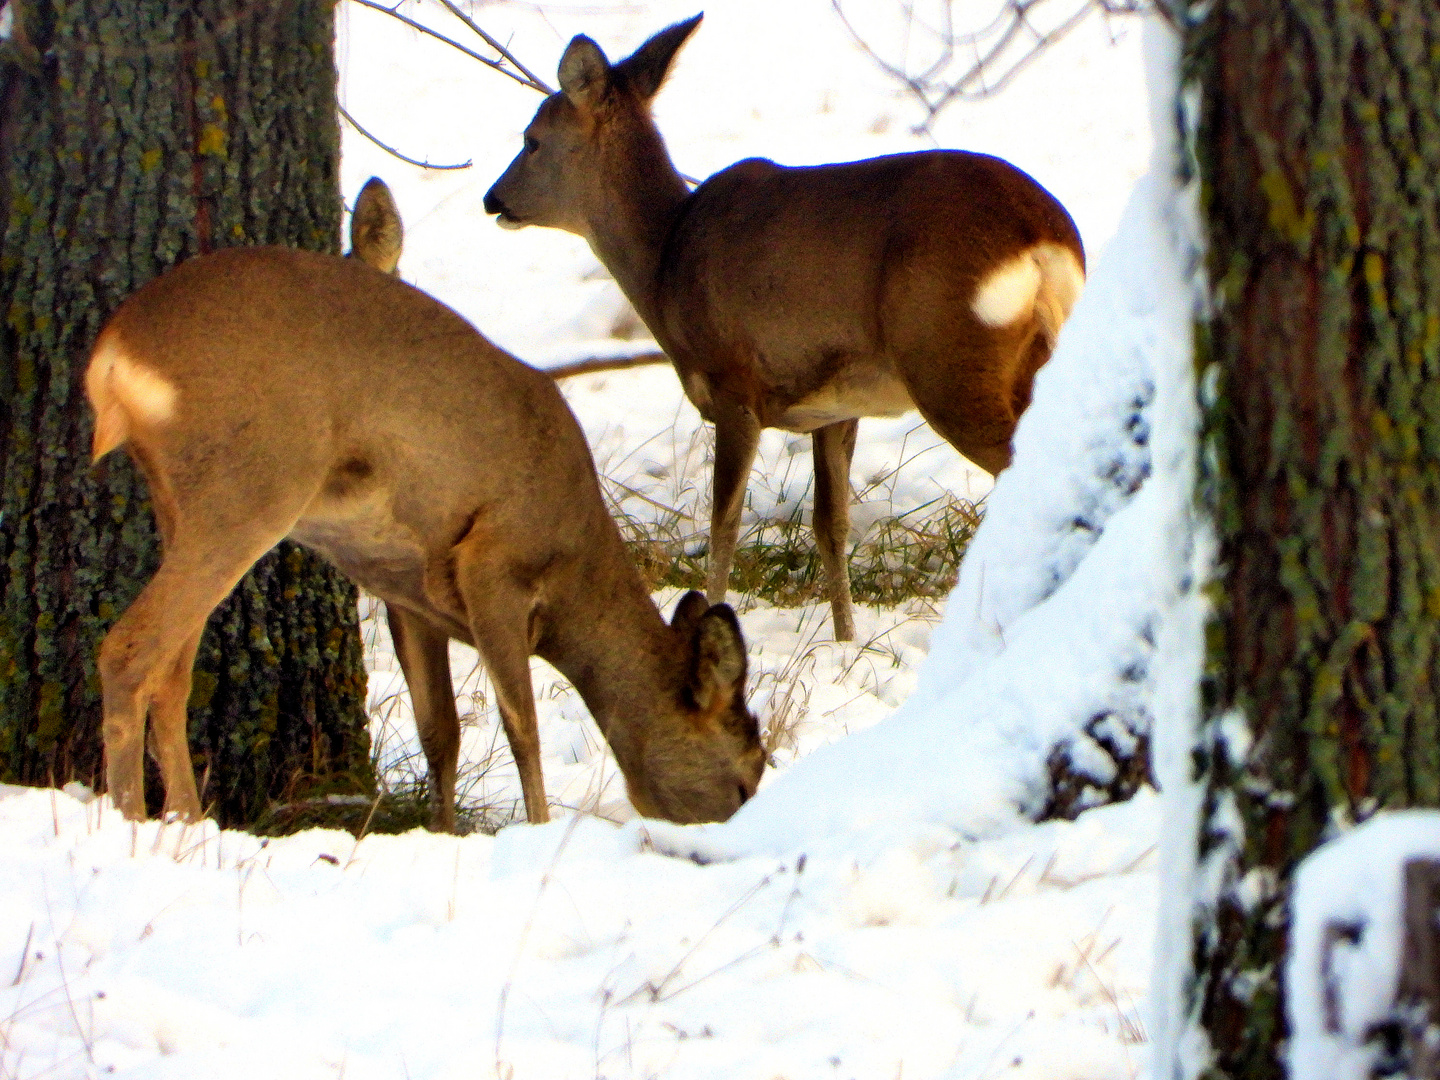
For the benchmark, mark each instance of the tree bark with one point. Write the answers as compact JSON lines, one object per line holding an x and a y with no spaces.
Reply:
{"x":1417,"y":997}
{"x":1319,"y":154}
{"x":135,"y":134}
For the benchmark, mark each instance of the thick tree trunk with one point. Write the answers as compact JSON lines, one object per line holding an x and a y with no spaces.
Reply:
{"x":1319,"y":155}
{"x":135,"y":134}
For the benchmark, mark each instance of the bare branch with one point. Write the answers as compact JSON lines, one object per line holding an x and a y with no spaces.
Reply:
{"x":523,"y":76}
{"x":505,"y":53}
{"x":605,"y":363}
{"x":396,"y":153}
{"x":998,"y":52}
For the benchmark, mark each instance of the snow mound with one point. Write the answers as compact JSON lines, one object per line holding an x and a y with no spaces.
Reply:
{"x":1347,"y":932}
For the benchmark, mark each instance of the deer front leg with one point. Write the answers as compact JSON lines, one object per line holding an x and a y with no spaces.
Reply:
{"x":499,"y":612}
{"x":424,"y":655}
{"x":834,"y":448}
{"x":737,"y":436}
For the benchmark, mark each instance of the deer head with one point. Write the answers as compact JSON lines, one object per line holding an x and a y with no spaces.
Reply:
{"x":598,"y":122}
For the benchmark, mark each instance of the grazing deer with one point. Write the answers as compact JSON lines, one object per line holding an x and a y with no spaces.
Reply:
{"x":270,"y":393}
{"x":805,"y":298}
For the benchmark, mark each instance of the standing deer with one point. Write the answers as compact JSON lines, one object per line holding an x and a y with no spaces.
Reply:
{"x":805,"y":298}
{"x":269,"y":393}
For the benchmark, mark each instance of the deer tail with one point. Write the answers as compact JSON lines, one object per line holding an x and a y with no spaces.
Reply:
{"x":1061,"y":280}
{"x":124,"y":394}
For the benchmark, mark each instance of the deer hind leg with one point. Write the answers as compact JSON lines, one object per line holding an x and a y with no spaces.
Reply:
{"x":984,"y":439}
{"x":213,"y":531}
{"x":498,"y":609}
{"x":1042,"y":333}
{"x":965,"y":385}
{"x":146,"y":660}
{"x":170,"y":735}
{"x":424,"y":654}
{"x":737,"y":437}
{"x":834,"y":449}
{"x":1006,"y":354}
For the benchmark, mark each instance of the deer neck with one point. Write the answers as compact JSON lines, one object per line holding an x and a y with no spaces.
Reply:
{"x":619,"y":654}
{"x":629,"y":232}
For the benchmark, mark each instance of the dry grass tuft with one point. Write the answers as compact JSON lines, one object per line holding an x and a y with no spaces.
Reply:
{"x":902,"y":557}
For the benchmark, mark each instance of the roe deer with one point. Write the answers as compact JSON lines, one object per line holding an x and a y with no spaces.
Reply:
{"x":804,"y":298}
{"x":269,"y":393}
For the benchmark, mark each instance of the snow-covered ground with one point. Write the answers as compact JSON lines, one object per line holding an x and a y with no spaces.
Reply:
{"x":567,"y":950}
{"x":883,"y":908}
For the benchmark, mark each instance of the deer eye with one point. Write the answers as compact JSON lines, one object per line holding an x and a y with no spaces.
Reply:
{"x":531,"y":144}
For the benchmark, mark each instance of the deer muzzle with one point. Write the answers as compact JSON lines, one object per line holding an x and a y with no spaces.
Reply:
{"x":504,"y":218}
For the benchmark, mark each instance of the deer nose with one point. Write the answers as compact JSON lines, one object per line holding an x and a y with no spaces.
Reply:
{"x":492,"y":204}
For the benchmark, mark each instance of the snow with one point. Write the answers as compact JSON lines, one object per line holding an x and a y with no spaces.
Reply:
{"x":1179,"y":1045}
{"x":1347,"y":912}
{"x":883,"y":907}
{"x":571,"y":949}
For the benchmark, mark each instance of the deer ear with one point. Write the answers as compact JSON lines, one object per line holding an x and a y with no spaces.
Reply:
{"x":584,"y":72}
{"x":688,"y":612}
{"x":718,"y":671}
{"x":376,"y":232}
{"x":645,"y":69}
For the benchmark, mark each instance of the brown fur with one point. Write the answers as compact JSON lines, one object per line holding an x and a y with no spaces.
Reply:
{"x":801,"y":298}
{"x":316,"y":398}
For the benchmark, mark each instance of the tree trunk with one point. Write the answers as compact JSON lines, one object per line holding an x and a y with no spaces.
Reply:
{"x":1319,"y":154}
{"x":133,"y":135}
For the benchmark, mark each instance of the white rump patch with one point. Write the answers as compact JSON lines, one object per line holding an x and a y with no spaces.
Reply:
{"x":146,"y":394}
{"x":1007,"y":293}
{"x":124,"y":392}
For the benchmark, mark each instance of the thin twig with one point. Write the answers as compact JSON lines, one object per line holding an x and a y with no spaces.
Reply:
{"x":634,"y":494}
{"x":536,"y":82}
{"x":86,"y":1038}
{"x":355,"y":850}
{"x":396,"y":153}
{"x":657,"y":992}
{"x":754,"y":950}
{"x":498,"y":65}
{"x":24,"y":956}
{"x":990,"y":70}
{"x":602,"y":363}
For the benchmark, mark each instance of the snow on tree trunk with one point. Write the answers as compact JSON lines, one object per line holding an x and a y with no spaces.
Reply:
{"x":133,"y":136}
{"x":1319,"y":154}
{"x":1363,"y":977}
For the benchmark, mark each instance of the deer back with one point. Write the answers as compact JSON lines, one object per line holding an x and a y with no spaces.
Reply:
{"x":379,"y":411}
{"x":788,"y":268}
